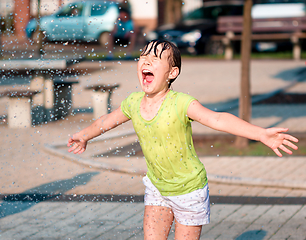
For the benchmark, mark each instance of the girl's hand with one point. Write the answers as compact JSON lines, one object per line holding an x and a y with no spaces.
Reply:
{"x":275,"y":139}
{"x":76,"y":144}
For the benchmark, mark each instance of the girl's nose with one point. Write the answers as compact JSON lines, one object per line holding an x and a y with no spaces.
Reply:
{"x":147,"y":62}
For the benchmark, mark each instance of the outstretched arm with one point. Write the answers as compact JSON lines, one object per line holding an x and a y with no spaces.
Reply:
{"x":226,"y":122}
{"x":78,"y":141}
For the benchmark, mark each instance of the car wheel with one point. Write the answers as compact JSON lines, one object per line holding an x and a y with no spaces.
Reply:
{"x":104,"y":38}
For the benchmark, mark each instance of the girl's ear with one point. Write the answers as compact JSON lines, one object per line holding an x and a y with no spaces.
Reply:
{"x":173,"y":72}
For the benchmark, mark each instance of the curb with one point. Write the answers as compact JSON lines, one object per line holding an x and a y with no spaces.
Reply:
{"x":134,"y":166}
{"x":256,"y":181}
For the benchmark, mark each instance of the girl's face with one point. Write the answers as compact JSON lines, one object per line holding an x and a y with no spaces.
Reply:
{"x":154,"y":72}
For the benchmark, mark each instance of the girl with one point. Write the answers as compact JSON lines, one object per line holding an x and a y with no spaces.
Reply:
{"x":176,"y":182}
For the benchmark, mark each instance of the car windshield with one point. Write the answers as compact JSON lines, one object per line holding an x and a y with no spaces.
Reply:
{"x":98,"y":9}
{"x":213,"y":12}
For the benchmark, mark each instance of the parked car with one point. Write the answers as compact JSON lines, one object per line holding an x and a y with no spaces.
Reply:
{"x":192,"y":33}
{"x":81,"y":21}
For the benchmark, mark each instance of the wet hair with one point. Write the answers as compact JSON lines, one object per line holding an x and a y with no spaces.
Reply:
{"x":174,"y":57}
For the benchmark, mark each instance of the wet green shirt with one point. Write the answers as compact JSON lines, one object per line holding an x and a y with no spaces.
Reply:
{"x":166,"y":142}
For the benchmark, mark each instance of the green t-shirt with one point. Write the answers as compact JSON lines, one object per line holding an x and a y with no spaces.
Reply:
{"x":166,"y":142}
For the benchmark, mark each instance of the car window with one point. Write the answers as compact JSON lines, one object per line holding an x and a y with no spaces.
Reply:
{"x":196,"y":14}
{"x":71,"y":10}
{"x":213,"y":12}
{"x":98,"y":9}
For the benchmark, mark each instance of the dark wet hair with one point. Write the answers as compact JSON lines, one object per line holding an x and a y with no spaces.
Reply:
{"x":174,"y":58}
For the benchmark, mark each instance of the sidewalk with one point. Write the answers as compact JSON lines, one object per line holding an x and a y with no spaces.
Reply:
{"x":35,"y":162}
{"x":88,"y":220}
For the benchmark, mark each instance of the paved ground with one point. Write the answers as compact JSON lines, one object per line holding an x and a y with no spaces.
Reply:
{"x":88,"y":220}
{"x":47,"y":193}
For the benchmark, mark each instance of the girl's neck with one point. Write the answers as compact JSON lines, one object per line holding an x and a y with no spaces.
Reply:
{"x":154,"y":98}
{"x":150,"y":105}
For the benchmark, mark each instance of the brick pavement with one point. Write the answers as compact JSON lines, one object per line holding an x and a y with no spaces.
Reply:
{"x":96,"y":220}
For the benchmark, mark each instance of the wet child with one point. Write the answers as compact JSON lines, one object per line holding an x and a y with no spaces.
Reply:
{"x":176,"y":180}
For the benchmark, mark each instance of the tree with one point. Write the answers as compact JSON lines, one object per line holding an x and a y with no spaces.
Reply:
{"x":245,"y":107}
{"x":170,"y":11}
{"x":40,"y":35}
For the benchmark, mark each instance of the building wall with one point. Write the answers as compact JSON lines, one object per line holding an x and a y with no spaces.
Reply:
{"x":144,"y":14}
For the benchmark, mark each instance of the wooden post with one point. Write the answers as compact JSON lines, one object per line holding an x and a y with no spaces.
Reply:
{"x":40,"y":38}
{"x":1,"y":33}
{"x":245,"y":107}
{"x":177,"y":10}
{"x":173,"y":11}
{"x":168,"y":13}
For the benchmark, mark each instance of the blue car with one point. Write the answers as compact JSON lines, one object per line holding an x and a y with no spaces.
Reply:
{"x":82,"y":21}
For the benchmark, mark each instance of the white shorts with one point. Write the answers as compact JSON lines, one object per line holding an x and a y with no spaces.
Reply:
{"x":190,"y":209}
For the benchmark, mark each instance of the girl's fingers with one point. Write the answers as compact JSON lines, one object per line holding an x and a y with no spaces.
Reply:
{"x":278,"y":130}
{"x":70,"y":142}
{"x":291,"y":138}
{"x":73,"y":147}
{"x":290,"y":144}
{"x":286,"y":150}
{"x":81,"y":151}
{"x":277,"y":152}
{"x":77,"y":149}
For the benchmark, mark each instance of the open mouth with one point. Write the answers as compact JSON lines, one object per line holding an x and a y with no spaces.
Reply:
{"x":147,"y":76}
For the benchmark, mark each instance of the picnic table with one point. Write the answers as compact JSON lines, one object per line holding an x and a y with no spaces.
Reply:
{"x":51,"y":83}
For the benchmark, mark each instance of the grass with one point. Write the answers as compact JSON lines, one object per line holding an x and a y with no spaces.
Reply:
{"x":255,"y":55}
{"x":225,"y":147}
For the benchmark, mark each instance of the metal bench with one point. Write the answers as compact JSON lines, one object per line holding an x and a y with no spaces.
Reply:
{"x":267,"y":29}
